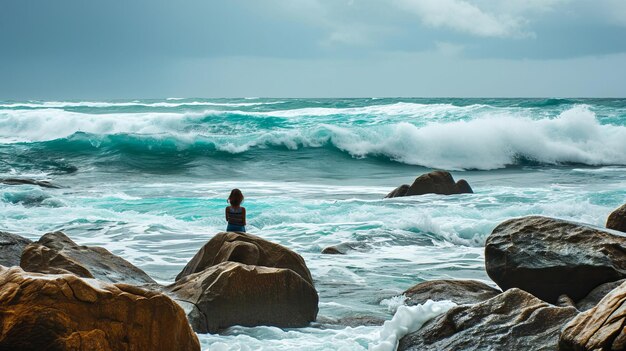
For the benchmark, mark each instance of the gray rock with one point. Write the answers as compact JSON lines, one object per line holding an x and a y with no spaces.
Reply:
{"x":55,"y":253}
{"x":344,"y":248}
{"x":513,"y":320}
{"x":232,"y":293}
{"x":597,"y":294}
{"x":436,"y":182}
{"x":617,"y":219}
{"x":600,"y":328}
{"x":550,"y":257}
{"x":11,"y":247}
{"x":458,"y":291}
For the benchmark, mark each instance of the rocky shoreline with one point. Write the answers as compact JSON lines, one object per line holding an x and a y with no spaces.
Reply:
{"x":562,"y":287}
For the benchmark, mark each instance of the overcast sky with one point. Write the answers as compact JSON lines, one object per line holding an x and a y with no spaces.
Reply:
{"x":79,"y":49}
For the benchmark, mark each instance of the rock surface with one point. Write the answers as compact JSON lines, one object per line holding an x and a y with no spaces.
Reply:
{"x":11,"y":247}
{"x":600,"y":328}
{"x":549,"y":257}
{"x":247,"y":249}
{"x":28,"y":181}
{"x":65,"y":312}
{"x":233,"y":293}
{"x":460,"y":292}
{"x":617,"y":219}
{"x":597,"y":294}
{"x":513,"y":320}
{"x":55,"y":253}
{"x":436,"y":182}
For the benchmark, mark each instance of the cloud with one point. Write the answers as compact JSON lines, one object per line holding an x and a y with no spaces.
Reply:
{"x":465,"y":17}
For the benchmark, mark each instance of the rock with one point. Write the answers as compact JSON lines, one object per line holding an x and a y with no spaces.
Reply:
{"x":233,"y":293}
{"x":55,"y":253}
{"x":11,"y":247}
{"x":458,"y":291}
{"x":65,"y":312}
{"x":597,"y":294}
{"x":436,"y":182}
{"x":344,"y":248}
{"x":248,"y":249}
{"x":617,"y":219}
{"x":354,"y":321}
{"x":27,"y":181}
{"x":600,"y":328}
{"x":549,"y":257}
{"x":513,"y":320}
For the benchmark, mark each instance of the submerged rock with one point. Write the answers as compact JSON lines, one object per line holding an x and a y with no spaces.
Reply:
{"x":550,"y":257}
{"x":617,"y":219}
{"x":28,"y":181}
{"x":65,"y":312}
{"x":513,"y":320}
{"x":248,"y":249}
{"x":11,"y":247}
{"x":436,"y":182}
{"x":55,"y":253}
{"x":458,"y":291}
{"x":233,"y":293}
{"x":600,"y":328}
{"x":344,"y":248}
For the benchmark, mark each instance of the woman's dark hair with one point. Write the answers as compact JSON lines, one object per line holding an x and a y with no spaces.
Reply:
{"x":236,"y":197}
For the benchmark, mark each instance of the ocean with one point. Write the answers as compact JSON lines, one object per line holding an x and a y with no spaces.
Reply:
{"x":148,"y":180}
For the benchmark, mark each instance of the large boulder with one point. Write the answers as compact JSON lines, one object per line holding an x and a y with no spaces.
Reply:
{"x":247,"y":249}
{"x":513,"y":320}
{"x":55,"y":253}
{"x":436,"y":182}
{"x":233,"y":293}
{"x":461,"y":292}
{"x":550,"y":257}
{"x":65,"y":312}
{"x":600,"y":328}
{"x":617,"y":219}
{"x":11,"y":247}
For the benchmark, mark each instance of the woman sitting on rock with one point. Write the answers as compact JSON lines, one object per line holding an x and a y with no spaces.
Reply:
{"x":235,"y":213}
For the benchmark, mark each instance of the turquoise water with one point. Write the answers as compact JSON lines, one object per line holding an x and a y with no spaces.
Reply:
{"x":147,"y":179}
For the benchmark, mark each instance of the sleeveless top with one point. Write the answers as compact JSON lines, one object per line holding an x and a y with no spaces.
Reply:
{"x":235,"y":216}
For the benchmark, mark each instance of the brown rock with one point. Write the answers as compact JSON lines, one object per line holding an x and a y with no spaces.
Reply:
{"x":550,"y":257}
{"x":458,"y":291}
{"x":436,"y":182}
{"x":232,"y":293}
{"x":344,"y":248}
{"x":248,"y":249}
{"x":55,"y":253}
{"x":617,"y":219}
{"x":513,"y":320}
{"x":65,"y":312}
{"x":11,"y":247}
{"x":600,"y":328}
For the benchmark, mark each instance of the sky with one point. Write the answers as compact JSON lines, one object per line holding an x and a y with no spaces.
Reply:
{"x":120,"y":49}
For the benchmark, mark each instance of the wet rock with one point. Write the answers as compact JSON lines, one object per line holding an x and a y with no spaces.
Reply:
{"x":344,"y":248}
{"x":355,"y":321}
{"x":65,"y":312}
{"x":600,"y":328}
{"x":597,"y":294}
{"x":247,"y":249}
{"x":11,"y":247}
{"x":28,"y":181}
{"x":549,"y":257}
{"x":55,"y":253}
{"x":617,"y":219}
{"x":513,"y":320}
{"x":436,"y":182}
{"x":233,"y":293}
{"x":458,"y":291}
